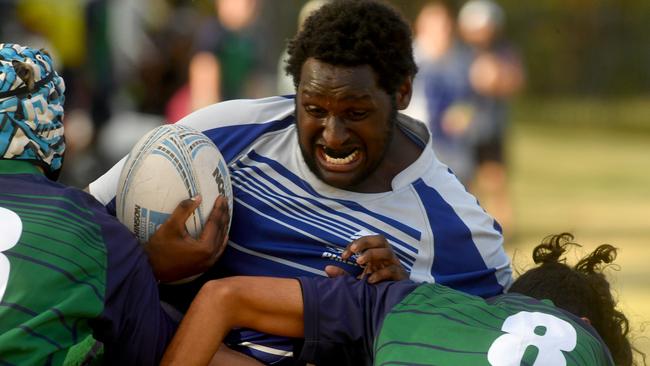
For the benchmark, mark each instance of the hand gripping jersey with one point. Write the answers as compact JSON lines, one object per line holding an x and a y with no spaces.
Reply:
{"x":403,"y":323}
{"x":288,"y":223}
{"x":69,"y":270}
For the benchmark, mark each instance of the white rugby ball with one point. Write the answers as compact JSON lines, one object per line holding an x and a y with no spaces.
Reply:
{"x":167,"y":165}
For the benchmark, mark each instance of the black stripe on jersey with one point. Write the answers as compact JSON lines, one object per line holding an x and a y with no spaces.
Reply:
{"x":18,"y":307}
{"x":61,"y":317}
{"x":10,"y":253}
{"x":75,"y":229}
{"x":80,"y":267}
{"x":84,"y":253}
{"x":31,"y":332}
{"x":435,"y":301}
{"x":63,"y":212}
{"x":429,"y":346}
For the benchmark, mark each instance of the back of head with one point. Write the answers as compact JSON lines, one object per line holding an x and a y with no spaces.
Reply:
{"x":355,"y":33}
{"x":31,"y":108}
{"x":582,"y":290}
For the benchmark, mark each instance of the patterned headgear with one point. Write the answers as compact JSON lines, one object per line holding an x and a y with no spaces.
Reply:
{"x":31,"y":108}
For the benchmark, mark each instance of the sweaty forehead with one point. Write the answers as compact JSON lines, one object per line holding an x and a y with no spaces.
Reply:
{"x":349,"y":82}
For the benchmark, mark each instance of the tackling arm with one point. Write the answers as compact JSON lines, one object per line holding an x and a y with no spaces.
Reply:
{"x":270,"y":305}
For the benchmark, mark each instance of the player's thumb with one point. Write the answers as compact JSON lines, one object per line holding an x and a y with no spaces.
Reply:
{"x":335,"y":271}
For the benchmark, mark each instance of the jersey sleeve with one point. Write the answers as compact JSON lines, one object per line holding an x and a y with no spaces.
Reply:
{"x":104,"y":188}
{"x":343,"y":315}
{"x":133,"y":326}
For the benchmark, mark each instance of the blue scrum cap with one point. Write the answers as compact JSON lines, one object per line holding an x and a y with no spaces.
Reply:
{"x":31,"y":108}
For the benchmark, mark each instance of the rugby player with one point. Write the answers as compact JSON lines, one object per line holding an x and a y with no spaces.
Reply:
{"x":335,"y":179}
{"x":553,"y":315}
{"x":70,"y":273}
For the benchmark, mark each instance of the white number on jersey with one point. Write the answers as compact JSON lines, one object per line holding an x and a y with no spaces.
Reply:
{"x":557,"y":335}
{"x":10,"y":229}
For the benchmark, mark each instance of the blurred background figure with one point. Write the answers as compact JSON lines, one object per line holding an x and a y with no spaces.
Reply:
{"x":284,"y":82}
{"x":64,"y":27}
{"x":442,"y":93}
{"x":496,"y":74}
{"x":467,"y":73}
{"x":224,"y":58}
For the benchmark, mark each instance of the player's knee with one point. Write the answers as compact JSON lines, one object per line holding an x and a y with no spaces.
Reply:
{"x":225,"y":290}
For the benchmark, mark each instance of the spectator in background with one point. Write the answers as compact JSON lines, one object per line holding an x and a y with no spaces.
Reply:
{"x":150,"y":44}
{"x":496,"y":74}
{"x":442,"y":93}
{"x":284,"y":82}
{"x":224,"y":59}
{"x":461,"y":92}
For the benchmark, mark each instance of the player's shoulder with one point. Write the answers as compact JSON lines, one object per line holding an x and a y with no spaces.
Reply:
{"x":48,"y":193}
{"x":241,"y":113}
{"x":85,"y":204}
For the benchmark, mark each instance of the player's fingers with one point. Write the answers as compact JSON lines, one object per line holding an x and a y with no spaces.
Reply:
{"x":335,"y":271}
{"x":377,"y":256}
{"x":364,"y":243}
{"x":368,"y":242}
{"x":182,"y":212}
{"x":216,"y":225}
{"x":390,"y":273}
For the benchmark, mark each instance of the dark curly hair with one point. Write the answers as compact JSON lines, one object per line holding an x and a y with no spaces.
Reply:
{"x":582,"y":290}
{"x":355,"y":33}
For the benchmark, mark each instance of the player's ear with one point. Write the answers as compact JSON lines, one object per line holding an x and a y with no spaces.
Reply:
{"x":586,"y":320}
{"x":403,"y":94}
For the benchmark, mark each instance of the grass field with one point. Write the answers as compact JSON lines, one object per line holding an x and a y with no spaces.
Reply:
{"x":583,"y":166}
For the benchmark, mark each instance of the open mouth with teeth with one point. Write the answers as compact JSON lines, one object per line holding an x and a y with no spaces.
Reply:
{"x":339,"y":160}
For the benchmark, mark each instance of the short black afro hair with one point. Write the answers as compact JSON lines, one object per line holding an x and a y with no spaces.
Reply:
{"x":354,"y":33}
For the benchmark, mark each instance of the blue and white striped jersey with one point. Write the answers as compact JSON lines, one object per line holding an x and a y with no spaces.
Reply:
{"x":288,"y":223}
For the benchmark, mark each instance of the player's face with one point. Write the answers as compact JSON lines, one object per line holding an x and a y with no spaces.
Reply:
{"x":345,"y":123}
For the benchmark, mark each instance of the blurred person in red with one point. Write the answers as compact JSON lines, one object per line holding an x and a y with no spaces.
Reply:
{"x":496,"y":74}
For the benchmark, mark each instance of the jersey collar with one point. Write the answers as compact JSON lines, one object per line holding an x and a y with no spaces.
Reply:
{"x":18,"y":167}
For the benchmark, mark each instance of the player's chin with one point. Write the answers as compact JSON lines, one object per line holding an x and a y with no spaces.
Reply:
{"x":342,"y":180}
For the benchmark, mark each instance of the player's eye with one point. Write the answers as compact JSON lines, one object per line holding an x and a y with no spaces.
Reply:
{"x":356,"y":115}
{"x":316,"y":111}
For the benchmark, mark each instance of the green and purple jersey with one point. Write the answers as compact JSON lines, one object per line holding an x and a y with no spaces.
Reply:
{"x":405,"y":323}
{"x":69,"y":270}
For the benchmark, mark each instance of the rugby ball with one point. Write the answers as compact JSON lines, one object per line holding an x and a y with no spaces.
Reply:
{"x":167,"y":165}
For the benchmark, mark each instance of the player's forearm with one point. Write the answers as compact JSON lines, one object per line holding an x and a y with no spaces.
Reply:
{"x":201,"y":331}
{"x":265,"y":304}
